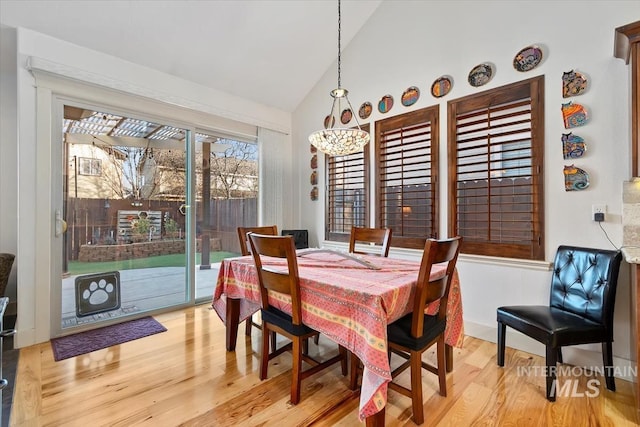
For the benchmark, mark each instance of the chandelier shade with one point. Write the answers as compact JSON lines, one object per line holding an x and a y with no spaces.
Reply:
{"x":337,"y":141}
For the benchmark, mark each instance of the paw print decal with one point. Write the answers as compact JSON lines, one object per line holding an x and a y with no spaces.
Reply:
{"x":97,"y":293}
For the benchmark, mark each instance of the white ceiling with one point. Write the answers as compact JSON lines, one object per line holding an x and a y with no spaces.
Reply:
{"x":269,"y":51}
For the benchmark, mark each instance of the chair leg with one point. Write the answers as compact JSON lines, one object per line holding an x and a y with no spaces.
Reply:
{"x":273,"y":340}
{"x":297,"y":367}
{"x":607,"y":358}
{"x":502,"y":328}
{"x":416,"y":386}
{"x":442,"y":366}
{"x":552,"y":382}
{"x":264,"y":353}
{"x":560,"y":355}
{"x":247,"y":329}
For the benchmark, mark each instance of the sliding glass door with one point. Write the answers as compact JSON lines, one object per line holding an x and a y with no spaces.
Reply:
{"x":125,"y":218}
{"x":148,"y":210}
{"x":226,"y":188}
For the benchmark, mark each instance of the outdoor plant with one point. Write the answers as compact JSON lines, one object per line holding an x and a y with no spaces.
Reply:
{"x":170,"y":225}
{"x":141,"y":226}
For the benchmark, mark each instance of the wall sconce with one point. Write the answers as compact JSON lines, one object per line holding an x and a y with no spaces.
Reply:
{"x":136,"y":203}
{"x":406,"y":210}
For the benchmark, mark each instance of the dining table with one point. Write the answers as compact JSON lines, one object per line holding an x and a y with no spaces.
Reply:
{"x":346,"y":297}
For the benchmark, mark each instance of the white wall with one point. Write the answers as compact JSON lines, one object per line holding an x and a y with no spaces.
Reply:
{"x":408,"y":43}
{"x":26,"y":148}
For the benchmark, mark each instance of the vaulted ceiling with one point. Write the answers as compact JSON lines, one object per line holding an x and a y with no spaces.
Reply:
{"x":268,"y":51}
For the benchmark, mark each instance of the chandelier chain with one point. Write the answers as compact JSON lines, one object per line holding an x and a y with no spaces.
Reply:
{"x":339,"y":31}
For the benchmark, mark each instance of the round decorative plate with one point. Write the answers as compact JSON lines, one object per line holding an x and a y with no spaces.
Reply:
{"x":441,"y":86}
{"x":329,"y":122}
{"x":527,"y":59}
{"x":313,"y":149}
{"x":346,"y":116}
{"x":410,"y":96}
{"x":385,"y":104}
{"x":480,"y":74}
{"x":365,"y":110}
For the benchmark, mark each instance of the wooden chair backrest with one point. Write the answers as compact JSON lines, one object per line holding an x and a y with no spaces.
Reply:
{"x":285,"y":281}
{"x":271,"y":230}
{"x":377,"y":236}
{"x":432,"y":289}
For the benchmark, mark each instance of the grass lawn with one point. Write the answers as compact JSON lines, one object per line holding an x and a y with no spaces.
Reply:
{"x":175,"y":260}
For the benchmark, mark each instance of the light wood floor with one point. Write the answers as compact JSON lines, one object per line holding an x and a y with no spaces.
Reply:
{"x":186,"y":377}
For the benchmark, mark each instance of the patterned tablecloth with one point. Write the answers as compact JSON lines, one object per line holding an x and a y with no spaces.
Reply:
{"x":348,"y":301}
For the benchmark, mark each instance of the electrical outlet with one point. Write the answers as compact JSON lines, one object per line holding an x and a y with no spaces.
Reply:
{"x":597,"y":211}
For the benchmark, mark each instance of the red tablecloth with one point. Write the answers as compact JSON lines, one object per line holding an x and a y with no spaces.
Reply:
{"x":347,"y":301}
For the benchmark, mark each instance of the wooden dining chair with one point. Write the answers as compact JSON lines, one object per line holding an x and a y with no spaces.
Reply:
{"x":413,"y":334}
{"x":380,"y":237}
{"x":286,"y":282}
{"x":271,"y":230}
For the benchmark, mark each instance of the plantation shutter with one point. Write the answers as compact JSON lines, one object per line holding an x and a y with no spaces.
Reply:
{"x":407,"y":167}
{"x":496,"y":178}
{"x":347,"y":194}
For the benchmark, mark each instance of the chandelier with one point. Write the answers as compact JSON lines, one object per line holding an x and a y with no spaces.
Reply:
{"x":339,"y":141}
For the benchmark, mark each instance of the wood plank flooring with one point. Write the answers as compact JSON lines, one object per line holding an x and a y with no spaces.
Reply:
{"x":186,"y":377}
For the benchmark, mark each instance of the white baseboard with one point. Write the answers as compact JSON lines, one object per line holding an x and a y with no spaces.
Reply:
{"x":624,"y":369}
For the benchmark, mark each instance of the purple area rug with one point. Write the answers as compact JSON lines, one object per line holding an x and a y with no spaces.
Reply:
{"x":97,"y":339}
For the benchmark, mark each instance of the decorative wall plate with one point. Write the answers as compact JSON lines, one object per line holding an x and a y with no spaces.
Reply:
{"x":329,"y":122}
{"x":574,"y":115}
{"x":410,"y":96}
{"x":575,"y":179}
{"x":313,"y":149}
{"x":480,"y":74}
{"x":314,"y":161}
{"x":346,"y":116}
{"x":314,"y":194}
{"x":385,"y":104}
{"x":441,"y":86}
{"x":365,"y":110}
{"x":528,"y":58}
{"x":573,"y":146}
{"x":573,"y":83}
{"x":314,"y":178}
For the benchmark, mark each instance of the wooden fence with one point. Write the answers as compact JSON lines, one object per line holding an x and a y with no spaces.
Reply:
{"x":95,"y":221}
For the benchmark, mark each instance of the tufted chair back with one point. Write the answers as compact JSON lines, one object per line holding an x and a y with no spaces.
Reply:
{"x":584,"y":282}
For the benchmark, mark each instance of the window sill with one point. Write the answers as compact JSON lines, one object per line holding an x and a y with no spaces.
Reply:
{"x":416,"y":255}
